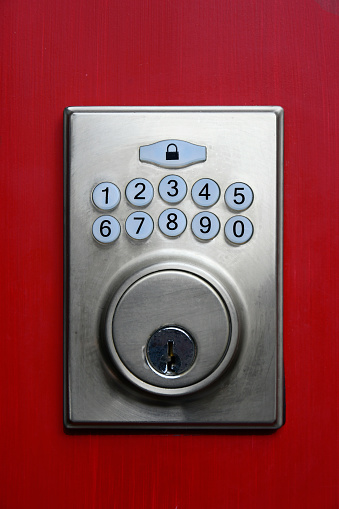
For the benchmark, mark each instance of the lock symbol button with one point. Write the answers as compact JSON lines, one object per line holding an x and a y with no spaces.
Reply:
{"x":172,"y":155}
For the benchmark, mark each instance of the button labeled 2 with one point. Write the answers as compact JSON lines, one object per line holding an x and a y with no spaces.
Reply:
{"x":139,"y":192}
{"x":106,"y":229}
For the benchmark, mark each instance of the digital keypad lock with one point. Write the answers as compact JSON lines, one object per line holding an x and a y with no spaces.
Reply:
{"x":173,"y":268}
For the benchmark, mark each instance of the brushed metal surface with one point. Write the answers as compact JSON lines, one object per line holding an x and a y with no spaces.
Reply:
{"x":243,"y":145}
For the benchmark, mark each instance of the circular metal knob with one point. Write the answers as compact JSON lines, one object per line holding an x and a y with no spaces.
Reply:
{"x":170,"y":331}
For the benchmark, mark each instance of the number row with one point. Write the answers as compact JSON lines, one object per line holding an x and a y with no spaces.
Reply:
{"x":172,"y":189}
{"x":172,"y":223}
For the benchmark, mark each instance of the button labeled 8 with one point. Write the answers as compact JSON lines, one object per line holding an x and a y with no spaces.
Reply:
{"x":172,"y":222}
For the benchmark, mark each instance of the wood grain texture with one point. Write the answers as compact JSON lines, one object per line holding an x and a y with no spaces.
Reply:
{"x":166,"y":52}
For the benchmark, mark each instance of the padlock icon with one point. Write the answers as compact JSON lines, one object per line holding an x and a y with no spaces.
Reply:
{"x":172,"y":155}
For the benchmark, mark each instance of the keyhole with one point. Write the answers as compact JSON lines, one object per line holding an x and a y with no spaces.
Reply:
{"x":167,"y":359}
{"x":170,"y":356}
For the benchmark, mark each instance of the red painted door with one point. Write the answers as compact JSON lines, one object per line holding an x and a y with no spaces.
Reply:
{"x":152,"y":52}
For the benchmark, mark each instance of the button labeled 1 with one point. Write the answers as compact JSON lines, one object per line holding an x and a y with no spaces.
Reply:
{"x":106,"y":229}
{"x":106,"y":196}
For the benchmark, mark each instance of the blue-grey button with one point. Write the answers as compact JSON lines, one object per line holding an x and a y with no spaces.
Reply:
{"x":172,"y":189}
{"x":205,"y":192}
{"x":139,"y":192}
{"x":172,"y":222}
{"x":239,"y":196}
{"x":205,"y":225}
{"x":139,"y":225}
{"x":172,"y":153}
{"x":106,"y":196}
{"x":238,"y":229}
{"x":106,"y":229}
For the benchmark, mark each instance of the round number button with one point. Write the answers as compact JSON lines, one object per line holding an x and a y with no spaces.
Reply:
{"x":106,"y":196}
{"x":106,"y":229}
{"x":238,"y":229}
{"x":172,"y":189}
{"x":205,"y":225}
{"x":205,"y":192}
{"x":139,"y":225}
{"x":139,"y":192}
{"x":238,"y":196}
{"x":172,"y":222}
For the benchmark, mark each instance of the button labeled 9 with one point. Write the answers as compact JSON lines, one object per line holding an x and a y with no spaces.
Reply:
{"x":205,"y":225}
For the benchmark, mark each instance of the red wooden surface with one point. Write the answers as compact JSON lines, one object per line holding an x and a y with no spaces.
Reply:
{"x":165,"y":52}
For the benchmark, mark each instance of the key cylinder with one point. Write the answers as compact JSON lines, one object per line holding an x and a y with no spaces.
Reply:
{"x":171,"y":351}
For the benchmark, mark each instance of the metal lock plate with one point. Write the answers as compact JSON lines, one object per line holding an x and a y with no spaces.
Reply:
{"x":173,"y":268}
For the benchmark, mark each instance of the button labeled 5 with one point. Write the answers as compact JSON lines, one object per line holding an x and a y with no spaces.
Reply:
{"x":239,"y":196}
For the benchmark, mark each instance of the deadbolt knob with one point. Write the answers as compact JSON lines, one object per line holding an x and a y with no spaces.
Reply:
{"x":169,"y":329}
{"x":171,"y":351}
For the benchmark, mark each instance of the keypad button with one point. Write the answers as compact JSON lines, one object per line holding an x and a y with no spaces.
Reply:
{"x":172,"y":222}
{"x":205,"y":225}
{"x":238,"y":229}
{"x":139,"y":225}
{"x":205,"y":192}
{"x":172,"y":189}
{"x":106,"y":196}
{"x":106,"y":229}
{"x":238,"y":196}
{"x":172,"y":153}
{"x":139,"y":192}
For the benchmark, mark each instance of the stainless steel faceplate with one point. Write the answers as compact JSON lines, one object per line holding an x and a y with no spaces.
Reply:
{"x":225,"y":293}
